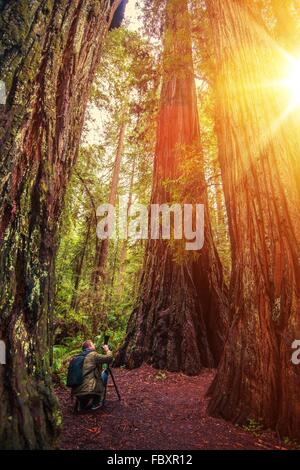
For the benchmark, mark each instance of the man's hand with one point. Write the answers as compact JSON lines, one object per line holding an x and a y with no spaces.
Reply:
{"x":105,"y":348}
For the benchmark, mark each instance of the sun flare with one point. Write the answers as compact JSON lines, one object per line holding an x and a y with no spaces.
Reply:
{"x":292,"y":82}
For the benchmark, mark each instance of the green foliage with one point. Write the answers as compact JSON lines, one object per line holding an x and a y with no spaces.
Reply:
{"x":160,"y":375}
{"x":59,"y":353}
{"x":254,"y":426}
{"x":153,"y":13}
{"x":62,"y":354}
{"x":291,"y":443}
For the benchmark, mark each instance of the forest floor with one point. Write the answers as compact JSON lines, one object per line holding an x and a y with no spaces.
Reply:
{"x":159,"y":411}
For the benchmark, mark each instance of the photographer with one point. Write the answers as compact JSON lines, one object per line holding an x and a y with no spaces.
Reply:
{"x":90,"y":391}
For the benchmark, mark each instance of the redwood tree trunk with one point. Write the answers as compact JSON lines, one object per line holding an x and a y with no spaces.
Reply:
{"x":259,"y":157}
{"x":181,"y":319}
{"x":49,"y":52}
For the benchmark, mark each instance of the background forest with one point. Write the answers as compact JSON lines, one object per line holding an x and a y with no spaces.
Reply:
{"x":96,"y":293}
{"x":116,"y":160}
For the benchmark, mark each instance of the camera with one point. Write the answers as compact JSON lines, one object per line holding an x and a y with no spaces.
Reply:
{"x":106,"y":339}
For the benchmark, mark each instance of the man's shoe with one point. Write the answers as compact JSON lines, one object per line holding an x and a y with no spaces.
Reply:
{"x":96,"y":406}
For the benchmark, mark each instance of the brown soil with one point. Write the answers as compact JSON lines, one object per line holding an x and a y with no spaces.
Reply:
{"x":159,"y":411}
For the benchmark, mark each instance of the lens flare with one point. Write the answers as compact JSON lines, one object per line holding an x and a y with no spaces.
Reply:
{"x":292,"y":82}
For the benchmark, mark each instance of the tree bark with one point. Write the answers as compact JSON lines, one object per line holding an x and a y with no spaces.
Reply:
{"x":181,"y":319}
{"x":259,"y":157}
{"x":49,"y":53}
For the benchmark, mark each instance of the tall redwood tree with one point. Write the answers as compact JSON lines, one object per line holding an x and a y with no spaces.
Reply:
{"x":49,"y":53}
{"x":259,"y":157}
{"x":181,"y":319}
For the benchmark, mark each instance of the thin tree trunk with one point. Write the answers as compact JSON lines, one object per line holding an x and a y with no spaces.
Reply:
{"x":123,"y":255}
{"x":50,"y":51}
{"x":220,"y":208}
{"x":181,"y":320}
{"x":102,"y":254}
{"x":102,"y":247}
{"x":259,"y":157}
{"x":110,"y":289}
{"x":79,"y":263}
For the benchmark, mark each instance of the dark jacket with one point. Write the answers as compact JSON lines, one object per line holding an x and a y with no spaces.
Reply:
{"x":92,"y":367}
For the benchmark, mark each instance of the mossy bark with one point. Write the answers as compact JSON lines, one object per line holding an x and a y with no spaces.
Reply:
{"x":49,"y":53}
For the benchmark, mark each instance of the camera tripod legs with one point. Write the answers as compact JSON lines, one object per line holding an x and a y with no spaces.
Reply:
{"x":114,"y":382}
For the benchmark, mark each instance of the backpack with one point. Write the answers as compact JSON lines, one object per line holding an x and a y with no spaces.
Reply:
{"x":75,"y":376}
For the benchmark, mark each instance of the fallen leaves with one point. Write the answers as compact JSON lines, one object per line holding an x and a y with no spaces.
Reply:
{"x":95,"y":431}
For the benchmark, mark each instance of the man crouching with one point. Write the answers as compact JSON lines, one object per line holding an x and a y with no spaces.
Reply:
{"x":90,"y":386}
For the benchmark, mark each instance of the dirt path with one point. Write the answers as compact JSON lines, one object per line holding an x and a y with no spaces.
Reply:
{"x":158,"y":411}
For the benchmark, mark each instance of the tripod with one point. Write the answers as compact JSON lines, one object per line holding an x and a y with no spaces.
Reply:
{"x":106,"y":339}
{"x":114,"y":382}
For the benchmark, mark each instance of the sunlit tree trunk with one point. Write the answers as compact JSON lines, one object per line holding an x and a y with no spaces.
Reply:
{"x":220,"y":226}
{"x":49,"y":53}
{"x":180,"y":321}
{"x":259,"y":157}
{"x":221,"y":216}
